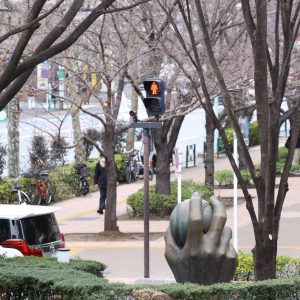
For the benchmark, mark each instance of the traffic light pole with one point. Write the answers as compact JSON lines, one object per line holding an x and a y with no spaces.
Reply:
{"x":146,"y":140}
{"x":146,"y":137}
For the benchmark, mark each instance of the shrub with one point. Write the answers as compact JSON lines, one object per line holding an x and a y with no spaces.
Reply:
{"x":94,"y":135}
{"x":39,"y":153}
{"x":58,"y":150}
{"x":162,"y":205}
{"x":285,"y":267}
{"x":253,"y":134}
{"x":225,"y":177}
{"x":282,"y":154}
{"x":35,"y":278}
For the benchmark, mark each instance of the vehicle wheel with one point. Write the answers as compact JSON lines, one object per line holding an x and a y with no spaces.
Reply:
{"x":25,"y":198}
{"x":128,"y":175}
{"x":48,"y":193}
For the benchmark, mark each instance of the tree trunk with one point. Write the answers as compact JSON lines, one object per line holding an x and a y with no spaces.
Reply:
{"x":165,"y":141}
{"x":131,"y":131}
{"x":79,"y":149}
{"x":209,"y":159}
{"x":264,"y":255}
{"x":110,"y":222}
{"x":163,"y":185}
{"x":13,"y":138}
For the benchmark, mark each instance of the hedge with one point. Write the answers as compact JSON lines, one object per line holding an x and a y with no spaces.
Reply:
{"x":253,"y":135}
{"x":162,"y":205}
{"x":45,"y":278}
{"x":64,"y":181}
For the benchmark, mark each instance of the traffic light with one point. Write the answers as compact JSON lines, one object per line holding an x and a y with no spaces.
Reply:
{"x":155,"y":97}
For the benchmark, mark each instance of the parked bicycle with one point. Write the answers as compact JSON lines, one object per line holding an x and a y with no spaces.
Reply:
{"x":134,"y":168}
{"x":81,"y":170}
{"x":41,"y":189}
{"x":18,"y":195}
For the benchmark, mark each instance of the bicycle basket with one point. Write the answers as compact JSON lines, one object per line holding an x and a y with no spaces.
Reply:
{"x":81,"y":169}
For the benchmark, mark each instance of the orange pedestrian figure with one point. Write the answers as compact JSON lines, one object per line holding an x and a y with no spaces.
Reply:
{"x":154,"y":88}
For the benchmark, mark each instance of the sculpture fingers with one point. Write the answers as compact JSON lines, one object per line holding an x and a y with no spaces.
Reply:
{"x":195,"y":222}
{"x":171,"y":248}
{"x":225,"y":241}
{"x":218,"y":219}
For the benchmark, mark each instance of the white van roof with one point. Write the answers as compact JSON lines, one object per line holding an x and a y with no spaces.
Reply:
{"x":15,"y":212}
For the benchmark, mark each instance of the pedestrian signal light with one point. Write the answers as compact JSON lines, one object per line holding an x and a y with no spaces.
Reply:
{"x":155,"y":97}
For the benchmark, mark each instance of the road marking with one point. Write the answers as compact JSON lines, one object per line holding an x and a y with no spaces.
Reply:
{"x":81,"y":214}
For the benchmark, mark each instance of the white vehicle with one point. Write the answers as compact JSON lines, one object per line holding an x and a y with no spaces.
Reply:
{"x":30,"y":229}
{"x":8,"y":252}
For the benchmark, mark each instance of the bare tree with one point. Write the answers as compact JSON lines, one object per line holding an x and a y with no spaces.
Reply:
{"x":270,"y":26}
{"x":23,"y":60}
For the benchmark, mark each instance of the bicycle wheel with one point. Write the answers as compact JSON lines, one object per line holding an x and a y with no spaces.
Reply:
{"x":35,"y":199}
{"x":24,"y":198}
{"x":128,"y":174}
{"x":48,"y":193}
{"x":84,"y":187}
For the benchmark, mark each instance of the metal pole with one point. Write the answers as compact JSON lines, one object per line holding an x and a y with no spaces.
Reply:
{"x":235,"y":231}
{"x":146,"y":202}
{"x":179,"y":176}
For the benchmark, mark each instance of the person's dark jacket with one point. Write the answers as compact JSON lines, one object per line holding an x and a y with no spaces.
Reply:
{"x":100,"y":176}
{"x":287,"y":143}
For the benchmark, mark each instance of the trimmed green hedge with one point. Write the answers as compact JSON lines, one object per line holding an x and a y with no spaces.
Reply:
{"x":45,"y":278}
{"x":42,"y":278}
{"x":282,"y":156}
{"x":162,"y":205}
{"x":225,"y":177}
{"x":263,"y":290}
{"x":253,"y":135}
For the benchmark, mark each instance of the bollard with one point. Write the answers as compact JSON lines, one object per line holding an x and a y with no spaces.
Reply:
{"x":63,"y":255}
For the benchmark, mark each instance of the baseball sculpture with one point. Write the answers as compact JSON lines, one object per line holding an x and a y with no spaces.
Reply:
{"x":198,"y":245}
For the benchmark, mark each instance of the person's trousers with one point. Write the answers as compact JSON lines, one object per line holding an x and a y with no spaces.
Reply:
{"x":102,"y":198}
{"x":296,"y":156}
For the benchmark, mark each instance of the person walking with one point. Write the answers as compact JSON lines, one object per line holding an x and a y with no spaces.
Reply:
{"x":296,"y":157}
{"x":100,"y":178}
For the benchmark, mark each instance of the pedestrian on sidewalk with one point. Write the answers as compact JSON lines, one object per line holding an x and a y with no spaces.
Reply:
{"x":100,"y":178}
{"x":296,"y":157}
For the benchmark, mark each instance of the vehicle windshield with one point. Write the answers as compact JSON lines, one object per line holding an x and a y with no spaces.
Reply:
{"x":4,"y":230}
{"x":40,"y":229}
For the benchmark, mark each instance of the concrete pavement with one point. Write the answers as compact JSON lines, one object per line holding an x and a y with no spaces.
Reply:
{"x":125,"y":258}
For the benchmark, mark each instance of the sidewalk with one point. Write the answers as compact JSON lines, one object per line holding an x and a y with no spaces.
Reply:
{"x":125,"y":258}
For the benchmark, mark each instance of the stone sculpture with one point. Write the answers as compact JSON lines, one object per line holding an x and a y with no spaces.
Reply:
{"x":198,"y":245}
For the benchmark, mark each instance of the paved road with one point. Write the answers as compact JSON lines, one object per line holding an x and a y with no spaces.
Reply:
{"x":125,"y":258}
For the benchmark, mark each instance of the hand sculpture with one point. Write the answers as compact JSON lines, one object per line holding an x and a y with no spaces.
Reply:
{"x":206,"y":257}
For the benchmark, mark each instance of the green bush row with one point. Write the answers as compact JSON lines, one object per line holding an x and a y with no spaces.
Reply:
{"x":285,"y":267}
{"x":64,"y":181}
{"x":36,"y":278}
{"x":253,"y":135}
{"x":282,"y":155}
{"x":225,"y":177}
{"x":162,"y":205}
